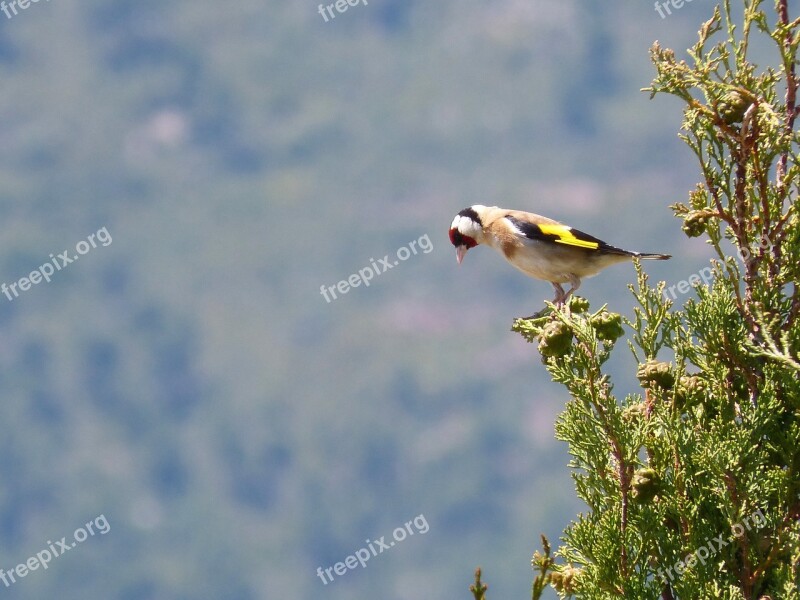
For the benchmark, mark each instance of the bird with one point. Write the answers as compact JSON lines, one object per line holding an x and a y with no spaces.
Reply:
{"x":538,"y":246}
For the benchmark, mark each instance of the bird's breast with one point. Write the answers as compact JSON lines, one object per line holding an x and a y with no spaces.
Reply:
{"x":551,"y":262}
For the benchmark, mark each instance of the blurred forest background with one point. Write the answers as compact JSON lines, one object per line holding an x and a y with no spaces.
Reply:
{"x":190,"y":383}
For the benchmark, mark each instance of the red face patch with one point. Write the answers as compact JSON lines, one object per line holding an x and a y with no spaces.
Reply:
{"x":459,"y":239}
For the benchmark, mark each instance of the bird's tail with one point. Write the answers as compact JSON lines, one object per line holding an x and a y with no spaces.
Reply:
{"x":646,"y":256}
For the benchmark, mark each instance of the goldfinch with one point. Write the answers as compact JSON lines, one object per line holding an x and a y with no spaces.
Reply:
{"x":539,"y":247}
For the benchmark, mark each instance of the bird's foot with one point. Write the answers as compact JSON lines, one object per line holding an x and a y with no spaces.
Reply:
{"x":547,"y":310}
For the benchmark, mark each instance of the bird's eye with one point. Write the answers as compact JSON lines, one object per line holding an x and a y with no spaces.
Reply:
{"x":456,"y":238}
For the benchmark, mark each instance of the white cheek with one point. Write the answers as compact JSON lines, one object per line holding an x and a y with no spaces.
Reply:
{"x":466,"y":226}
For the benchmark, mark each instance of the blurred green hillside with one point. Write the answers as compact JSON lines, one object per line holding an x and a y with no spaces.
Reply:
{"x":190,"y":382}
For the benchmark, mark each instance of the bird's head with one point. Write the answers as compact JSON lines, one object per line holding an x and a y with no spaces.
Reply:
{"x":466,"y":231}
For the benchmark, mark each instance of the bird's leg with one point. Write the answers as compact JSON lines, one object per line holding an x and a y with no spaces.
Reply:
{"x":575,"y":282}
{"x":559,"y":299}
{"x":560,"y":295}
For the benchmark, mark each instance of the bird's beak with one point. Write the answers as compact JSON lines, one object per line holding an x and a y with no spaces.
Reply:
{"x":460,"y":252}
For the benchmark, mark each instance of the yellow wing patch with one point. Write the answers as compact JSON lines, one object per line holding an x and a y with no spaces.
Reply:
{"x":565,"y":236}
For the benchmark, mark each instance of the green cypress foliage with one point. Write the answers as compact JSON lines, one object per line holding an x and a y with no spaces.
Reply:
{"x":692,"y":483}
